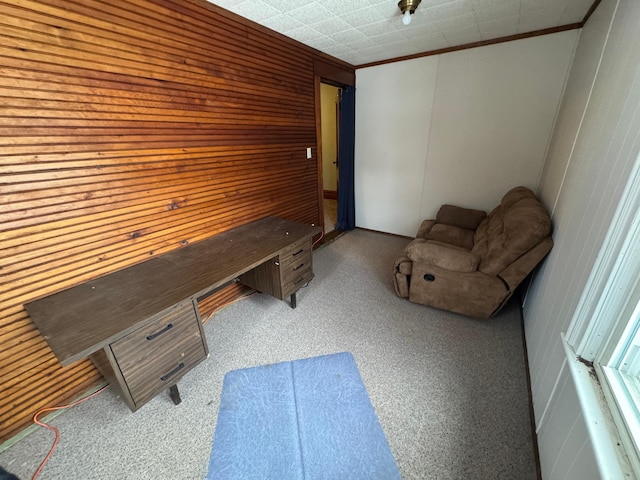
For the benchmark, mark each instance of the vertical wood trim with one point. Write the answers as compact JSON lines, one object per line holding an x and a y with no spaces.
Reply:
{"x":318,"y":108}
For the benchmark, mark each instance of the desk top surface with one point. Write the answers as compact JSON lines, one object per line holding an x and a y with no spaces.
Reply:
{"x":83,"y":319}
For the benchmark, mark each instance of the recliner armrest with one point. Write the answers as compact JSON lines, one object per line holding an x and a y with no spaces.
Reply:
{"x":518,"y":270}
{"x":425,"y":228}
{"x":448,"y":257}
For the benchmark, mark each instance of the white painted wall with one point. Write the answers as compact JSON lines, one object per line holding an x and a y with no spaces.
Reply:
{"x":393,"y":117}
{"x":565,"y":449}
{"x":462,"y":127}
{"x":493,"y":117}
{"x":595,"y":142}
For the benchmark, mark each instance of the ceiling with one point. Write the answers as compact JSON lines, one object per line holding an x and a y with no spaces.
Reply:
{"x":365,"y":31}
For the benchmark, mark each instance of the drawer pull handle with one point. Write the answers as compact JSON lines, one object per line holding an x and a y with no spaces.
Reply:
{"x":298,"y":281}
{"x":298,"y":267}
{"x":172,"y":372}
{"x":157,"y":334}
{"x":298,"y":252}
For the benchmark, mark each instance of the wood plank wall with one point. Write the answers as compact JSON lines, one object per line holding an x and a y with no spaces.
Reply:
{"x":128,"y":129}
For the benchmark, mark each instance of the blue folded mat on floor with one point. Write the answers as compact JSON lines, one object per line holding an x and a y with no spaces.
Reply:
{"x":306,"y":419}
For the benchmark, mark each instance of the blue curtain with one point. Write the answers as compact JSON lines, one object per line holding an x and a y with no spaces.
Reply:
{"x":346,"y":197}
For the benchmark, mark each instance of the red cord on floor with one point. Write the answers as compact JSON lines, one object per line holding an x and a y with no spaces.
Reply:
{"x":321,"y":237}
{"x":220,"y":307}
{"x":54,"y":429}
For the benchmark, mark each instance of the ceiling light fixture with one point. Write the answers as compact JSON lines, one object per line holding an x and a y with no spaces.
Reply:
{"x":408,"y":7}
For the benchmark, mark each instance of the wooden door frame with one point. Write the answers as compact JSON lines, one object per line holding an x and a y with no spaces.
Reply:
{"x":338,"y":76}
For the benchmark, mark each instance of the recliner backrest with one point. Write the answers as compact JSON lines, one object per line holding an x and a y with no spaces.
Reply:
{"x":513,"y":228}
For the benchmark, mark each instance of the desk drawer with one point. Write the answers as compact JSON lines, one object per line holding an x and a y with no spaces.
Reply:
{"x":294,"y":283}
{"x":157,"y":355}
{"x":294,"y":252}
{"x":296,"y":267}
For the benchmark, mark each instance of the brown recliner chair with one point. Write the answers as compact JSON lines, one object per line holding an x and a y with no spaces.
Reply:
{"x":468,"y":262}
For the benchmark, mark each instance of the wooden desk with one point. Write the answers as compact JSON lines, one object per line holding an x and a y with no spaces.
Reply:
{"x":141,"y":325}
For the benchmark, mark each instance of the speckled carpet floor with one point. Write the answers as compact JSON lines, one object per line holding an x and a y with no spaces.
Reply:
{"x":450,"y":392}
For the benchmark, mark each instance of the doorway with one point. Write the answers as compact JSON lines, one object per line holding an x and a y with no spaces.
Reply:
{"x":339,"y":81}
{"x":330,"y":128}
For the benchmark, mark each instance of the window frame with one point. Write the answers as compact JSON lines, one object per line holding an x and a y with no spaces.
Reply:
{"x":605,"y":310}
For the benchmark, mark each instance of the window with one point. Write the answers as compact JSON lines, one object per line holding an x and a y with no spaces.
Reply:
{"x":606,"y":330}
{"x":619,"y":374}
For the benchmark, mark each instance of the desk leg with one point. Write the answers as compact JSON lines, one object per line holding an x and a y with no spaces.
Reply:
{"x":175,"y":394}
{"x":293,"y":300}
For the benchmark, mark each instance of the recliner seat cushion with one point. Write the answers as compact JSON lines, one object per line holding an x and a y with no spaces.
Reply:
{"x":441,"y":255}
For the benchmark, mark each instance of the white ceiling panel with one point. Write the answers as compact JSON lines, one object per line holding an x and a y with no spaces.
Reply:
{"x":366,"y":31}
